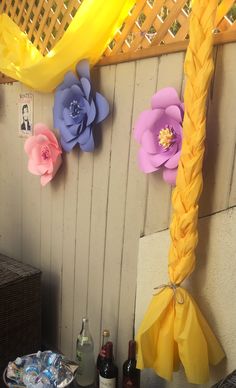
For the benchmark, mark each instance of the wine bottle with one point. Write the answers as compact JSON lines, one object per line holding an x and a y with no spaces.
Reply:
{"x":108,"y":374}
{"x":102,"y":353}
{"x":85,"y":356}
{"x":131,"y":375}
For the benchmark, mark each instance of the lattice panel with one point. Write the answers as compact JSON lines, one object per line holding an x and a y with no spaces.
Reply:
{"x":150,"y":24}
{"x":161,"y":22}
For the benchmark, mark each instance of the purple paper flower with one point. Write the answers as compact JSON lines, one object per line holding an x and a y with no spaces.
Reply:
{"x":159,"y":132}
{"x":76,"y":109}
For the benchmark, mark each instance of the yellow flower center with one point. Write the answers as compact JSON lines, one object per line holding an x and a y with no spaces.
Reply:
{"x":165,"y":138}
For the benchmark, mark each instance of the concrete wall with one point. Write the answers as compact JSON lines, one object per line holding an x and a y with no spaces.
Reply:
{"x":83,"y":229}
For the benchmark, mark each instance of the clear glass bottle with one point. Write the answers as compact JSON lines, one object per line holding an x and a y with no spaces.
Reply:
{"x":85,"y":356}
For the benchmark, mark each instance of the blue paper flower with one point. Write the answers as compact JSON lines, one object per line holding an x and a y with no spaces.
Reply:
{"x":76,"y":109}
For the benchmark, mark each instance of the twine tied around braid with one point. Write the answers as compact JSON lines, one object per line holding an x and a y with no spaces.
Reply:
{"x":174,"y":287}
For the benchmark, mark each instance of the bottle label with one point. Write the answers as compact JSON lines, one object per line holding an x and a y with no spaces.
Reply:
{"x":32,"y":369}
{"x":51,"y":359}
{"x":129,"y":382}
{"x":107,"y":383}
{"x":79,"y":359}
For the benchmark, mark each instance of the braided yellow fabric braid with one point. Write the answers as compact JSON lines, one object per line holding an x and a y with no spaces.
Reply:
{"x":173,"y":328}
{"x":198,"y":69}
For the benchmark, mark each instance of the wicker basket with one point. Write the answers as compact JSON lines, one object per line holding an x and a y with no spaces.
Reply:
{"x":228,"y":382}
{"x":20,"y":310}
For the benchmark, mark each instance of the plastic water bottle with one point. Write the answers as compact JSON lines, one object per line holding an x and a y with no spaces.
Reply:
{"x":85,"y":356}
{"x":18,"y":361}
{"x":47,"y":378}
{"x":31,"y":371}
{"x":48,"y":358}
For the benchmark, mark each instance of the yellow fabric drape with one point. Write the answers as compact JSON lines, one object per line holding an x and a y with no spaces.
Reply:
{"x":172,"y":331}
{"x":93,"y":26}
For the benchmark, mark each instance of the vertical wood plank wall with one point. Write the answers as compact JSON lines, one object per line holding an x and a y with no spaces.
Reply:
{"x":83,"y":229}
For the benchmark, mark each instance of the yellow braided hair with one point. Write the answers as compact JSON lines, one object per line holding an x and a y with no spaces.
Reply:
{"x":173,"y":328}
{"x":198,"y":69}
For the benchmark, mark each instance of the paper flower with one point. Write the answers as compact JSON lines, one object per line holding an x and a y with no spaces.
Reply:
{"x":44,"y":153}
{"x":159,"y":132}
{"x":76,"y":109}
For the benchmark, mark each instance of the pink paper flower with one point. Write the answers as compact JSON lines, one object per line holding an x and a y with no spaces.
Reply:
{"x":159,"y":132}
{"x":44,"y":153}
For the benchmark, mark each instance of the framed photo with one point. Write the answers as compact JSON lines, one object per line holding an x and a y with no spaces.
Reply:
{"x":25,"y":114}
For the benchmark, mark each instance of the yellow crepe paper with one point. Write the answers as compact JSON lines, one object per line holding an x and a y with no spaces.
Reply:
{"x":93,"y":26}
{"x":173,"y":329}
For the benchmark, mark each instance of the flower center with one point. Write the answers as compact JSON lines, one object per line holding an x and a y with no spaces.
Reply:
{"x":45,"y":153}
{"x":74,"y":108}
{"x":166,"y":138}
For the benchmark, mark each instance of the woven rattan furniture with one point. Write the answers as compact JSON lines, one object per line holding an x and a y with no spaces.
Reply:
{"x":20,"y":310}
{"x":228,"y":382}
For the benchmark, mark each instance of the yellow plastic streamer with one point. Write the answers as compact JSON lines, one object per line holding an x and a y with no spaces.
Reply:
{"x":173,"y":329}
{"x":93,"y":26}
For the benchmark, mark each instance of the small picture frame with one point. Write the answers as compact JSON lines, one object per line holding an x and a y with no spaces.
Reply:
{"x":25,"y":115}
